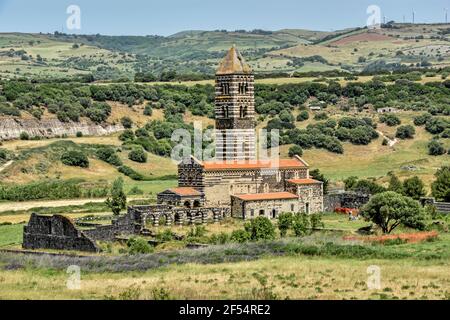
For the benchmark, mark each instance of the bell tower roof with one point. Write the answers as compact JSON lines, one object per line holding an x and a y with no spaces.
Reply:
{"x":233,"y":63}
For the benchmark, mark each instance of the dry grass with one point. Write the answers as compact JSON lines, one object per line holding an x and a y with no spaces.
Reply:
{"x":291,"y":277}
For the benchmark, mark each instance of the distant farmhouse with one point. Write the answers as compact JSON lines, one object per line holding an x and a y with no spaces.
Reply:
{"x":236,"y":178}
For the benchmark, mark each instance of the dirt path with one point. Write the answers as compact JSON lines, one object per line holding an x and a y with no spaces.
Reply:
{"x":391,"y":143}
{"x":18,"y":206}
{"x":6,"y":165}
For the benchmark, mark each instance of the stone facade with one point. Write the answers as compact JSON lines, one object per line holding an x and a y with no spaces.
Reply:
{"x":352,"y":200}
{"x":235,"y":109}
{"x":269,"y":207}
{"x":55,"y":232}
{"x":235,"y":170}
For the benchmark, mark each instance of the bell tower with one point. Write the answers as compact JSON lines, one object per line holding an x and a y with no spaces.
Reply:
{"x":235,"y":109}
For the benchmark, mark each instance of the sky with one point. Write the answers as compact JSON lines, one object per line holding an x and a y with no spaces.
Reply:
{"x":166,"y":17}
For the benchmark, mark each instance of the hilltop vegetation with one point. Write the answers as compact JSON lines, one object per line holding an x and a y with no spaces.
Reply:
{"x":194,"y":54}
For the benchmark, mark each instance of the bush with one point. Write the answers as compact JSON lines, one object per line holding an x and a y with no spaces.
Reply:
{"x":260,"y":228}
{"x":422,"y":119}
{"x":108,"y":154}
{"x":79,"y":134}
{"x":284,"y":223}
{"x":75,"y":159}
{"x":136,"y":191}
{"x":138,"y":246}
{"x":320,"y":116}
{"x":127,"y":135}
{"x":24,"y":136}
{"x":138,"y":155}
{"x":295,"y":150}
{"x":301,"y":224}
{"x":436,"y":148}
{"x":316,"y":221}
{"x":240,"y":236}
{"x":126,"y":122}
{"x":148,"y":111}
{"x":390,"y":119}
{"x":303,"y":115}
{"x":405,"y":132}
{"x":129,"y":172}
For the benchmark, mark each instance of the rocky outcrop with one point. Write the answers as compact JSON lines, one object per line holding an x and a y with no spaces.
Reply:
{"x":11,"y":128}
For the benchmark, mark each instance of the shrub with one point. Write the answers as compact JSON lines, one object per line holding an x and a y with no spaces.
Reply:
{"x":75,"y":159}
{"x":138,"y":155}
{"x":436,"y":125}
{"x":303,"y":115}
{"x":136,"y":191}
{"x":138,"y":246}
{"x":108,"y":154}
{"x":148,"y":111}
{"x":79,"y":134}
{"x":405,"y":132}
{"x":436,"y":148}
{"x":316,"y":221}
{"x":240,"y":236}
{"x":24,"y":136}
{"x":284,"y":223}
{"x":295,"y":150}
{"x":126,"y":122}
{"x":390,"y":119}
{"x":301,"y":224}
{"x":320,"y":116}
{"x":422,"y":119}
{"x":260,"y":228}
{"x":127,"y":135}
{"x":129,"y":172}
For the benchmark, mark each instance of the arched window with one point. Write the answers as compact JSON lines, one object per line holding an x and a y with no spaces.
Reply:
{"x":225,"y":112}
{"x":241,"y":112}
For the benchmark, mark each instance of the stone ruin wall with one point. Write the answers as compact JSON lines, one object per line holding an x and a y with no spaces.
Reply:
{"x":55,"y":232}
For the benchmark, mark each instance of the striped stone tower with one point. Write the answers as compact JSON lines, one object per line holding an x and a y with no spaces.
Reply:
{"x":235,"y":109}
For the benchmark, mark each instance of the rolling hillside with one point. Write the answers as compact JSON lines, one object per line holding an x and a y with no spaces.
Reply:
{"x":287,"y":51}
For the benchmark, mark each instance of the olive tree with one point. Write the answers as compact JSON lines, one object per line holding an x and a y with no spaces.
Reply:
{"x":389,"y":209}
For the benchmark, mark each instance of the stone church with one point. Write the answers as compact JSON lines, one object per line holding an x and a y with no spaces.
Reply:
{"x":236,"y":178}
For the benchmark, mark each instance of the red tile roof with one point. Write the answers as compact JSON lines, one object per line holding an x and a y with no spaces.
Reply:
{"x":281,"y":164}
{"x":185,"y":191}
{"x":305,"y":181}
{"x":266,"y":196}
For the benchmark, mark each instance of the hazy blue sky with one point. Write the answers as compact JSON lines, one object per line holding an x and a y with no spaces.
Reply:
{"x":165,"y":17}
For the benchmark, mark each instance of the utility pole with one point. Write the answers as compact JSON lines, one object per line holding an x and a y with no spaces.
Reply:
{"x":413,"y":17}
{"x":446,"y":14}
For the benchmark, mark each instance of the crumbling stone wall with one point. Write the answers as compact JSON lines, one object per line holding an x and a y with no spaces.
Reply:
{"x":345,"y":200}
{"x":55,"y":232}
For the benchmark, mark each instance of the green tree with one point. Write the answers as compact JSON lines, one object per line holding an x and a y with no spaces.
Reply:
{"x":260,"y":228}
{"x":118,"y":200}
{"x":295,"y":150}
{"x":414,"y":188}
{"x":284,"y":223}
{"x":440,"y":188}
{"x":389,"y":209}
{"x":395,"y":184}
